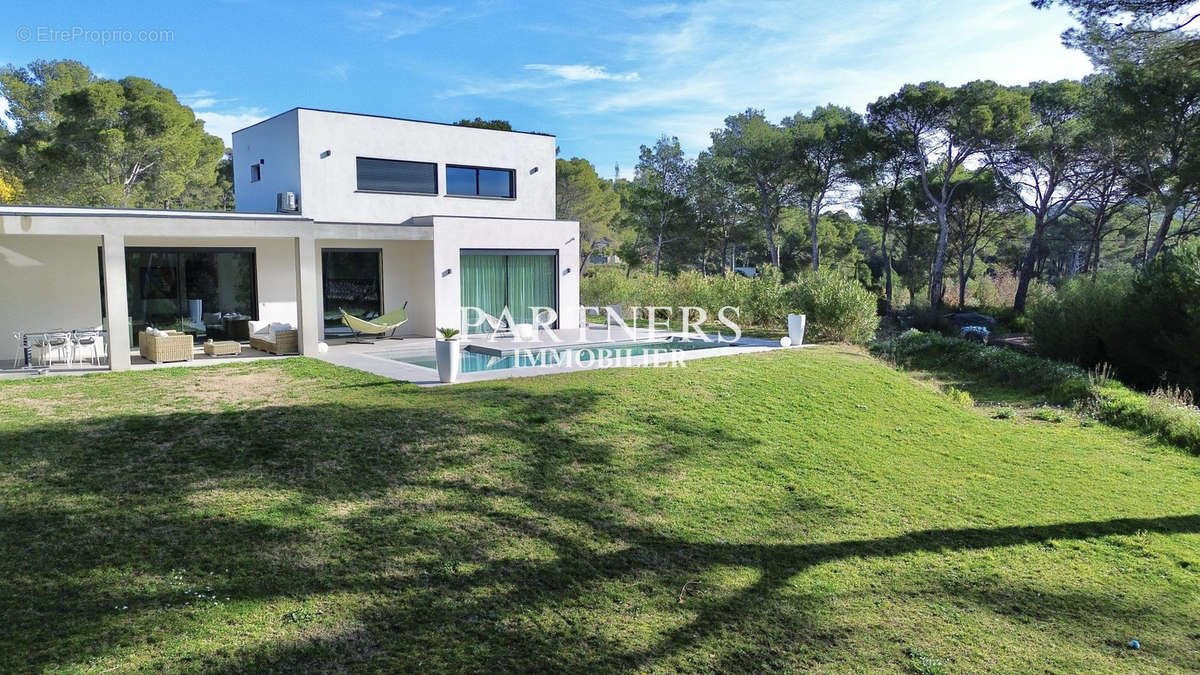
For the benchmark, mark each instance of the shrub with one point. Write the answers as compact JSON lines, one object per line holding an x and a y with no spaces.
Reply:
{"x":1146,"y":325}
{"x":1079,"y":323}
{"x":603,"y":286}
{"x":961,"y":397}
{"x":839,"y":309}
{"x":1004,"y":413}
{"x":925,"y":318}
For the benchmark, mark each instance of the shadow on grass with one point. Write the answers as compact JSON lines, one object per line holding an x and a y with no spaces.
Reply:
{"x":484,"y":530}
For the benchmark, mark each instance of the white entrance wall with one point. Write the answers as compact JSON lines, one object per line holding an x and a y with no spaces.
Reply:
{"x":45,"y":283}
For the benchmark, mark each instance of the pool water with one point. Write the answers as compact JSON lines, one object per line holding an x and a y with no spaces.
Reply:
{"x":473,"y":362}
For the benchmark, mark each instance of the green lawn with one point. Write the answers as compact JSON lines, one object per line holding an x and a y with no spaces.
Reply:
{"x":808,"y":509}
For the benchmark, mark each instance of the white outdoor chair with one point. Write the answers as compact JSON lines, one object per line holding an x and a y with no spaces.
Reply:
{"x":19,"y":355}
{"x":49,"y":346}
{"x":86,"y":341}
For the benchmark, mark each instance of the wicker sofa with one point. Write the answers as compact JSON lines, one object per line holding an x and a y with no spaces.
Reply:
{"x":278,"y":341}
{"x":175,"y":346}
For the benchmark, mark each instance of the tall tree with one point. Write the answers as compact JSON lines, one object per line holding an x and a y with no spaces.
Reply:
{"x":659,"y":193}
{"x":981,"y":213}
{"x":1045,"y":165}
{"x":885,"y":168}
{"x":581,"y":195}
{"x":1123,"y":23}
{"x":760,"y":163}
{"x":98,"y":142}
{"x":1154,"y":106}
{"x":944,"y":128}
{"x":719,"y":215}
{"x":826,"y":147}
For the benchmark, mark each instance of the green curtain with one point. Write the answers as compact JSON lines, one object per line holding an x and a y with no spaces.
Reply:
{"x":530,"y":284}
{"x":483,"y":285}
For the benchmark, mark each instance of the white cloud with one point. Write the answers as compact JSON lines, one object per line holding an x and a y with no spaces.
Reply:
{"x":393,"y":20}
{"x":713,"y":58}
{"x":223,"y":124}
{"x":582,"y":72}
{"x":202,"y":99}
{"x":336,"y":71}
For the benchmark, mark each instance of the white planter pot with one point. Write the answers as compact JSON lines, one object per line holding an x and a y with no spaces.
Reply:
{"x":796,"y":323}
{"x":447,"y":360}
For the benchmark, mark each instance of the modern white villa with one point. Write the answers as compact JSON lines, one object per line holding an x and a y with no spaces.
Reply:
{"x":334,"y":211}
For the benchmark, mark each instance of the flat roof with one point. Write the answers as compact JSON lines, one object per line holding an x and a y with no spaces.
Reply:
{"x":389,"y":117}
{"x":49,"y":210}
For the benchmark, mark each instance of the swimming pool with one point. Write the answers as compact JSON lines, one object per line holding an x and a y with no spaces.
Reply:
{"x":474,"y":361}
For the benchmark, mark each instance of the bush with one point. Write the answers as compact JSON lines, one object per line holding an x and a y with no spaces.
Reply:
{"x":839,"y":309}
{"x":1146,"y":325}
{"x":1080,"y":322}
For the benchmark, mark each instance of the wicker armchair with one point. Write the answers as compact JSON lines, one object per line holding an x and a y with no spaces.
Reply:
{"x":286,"y":342}
{"x":175,"y":346}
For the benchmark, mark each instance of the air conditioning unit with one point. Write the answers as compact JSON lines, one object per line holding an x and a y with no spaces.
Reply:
{"x":285,"y":202}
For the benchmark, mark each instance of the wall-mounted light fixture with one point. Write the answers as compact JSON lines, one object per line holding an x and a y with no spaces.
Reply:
{"x":566,"y":271}
{"x":533,"y":171}
{"x":326,"y":154}
{"x":446,"y":272}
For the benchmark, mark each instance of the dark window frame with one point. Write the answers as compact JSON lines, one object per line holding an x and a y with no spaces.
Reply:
{"x":358,"y":180}
{"x":512,"y":181}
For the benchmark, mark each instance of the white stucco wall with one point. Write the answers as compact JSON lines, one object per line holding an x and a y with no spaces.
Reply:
{"x":274,"y":142}
{"x":452,"y":235}
{"x":46,"y":283}
{"x":328,"y":184}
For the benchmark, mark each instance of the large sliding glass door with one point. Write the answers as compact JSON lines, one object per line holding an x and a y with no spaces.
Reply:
{"x":519,"y":280}
{"x":207,"y":292}
{"x":350,"y":280}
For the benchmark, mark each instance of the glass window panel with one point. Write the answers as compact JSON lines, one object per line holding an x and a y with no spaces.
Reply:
{"x":460,"y":181}
{"x":205,"y":292}
{"x":389,"y":175}
{"x":530,"y":285}
{"x":495,"y":183}
{"x":351,"y":281}
{"x":521,"y":283}
{"x":483,"y":286}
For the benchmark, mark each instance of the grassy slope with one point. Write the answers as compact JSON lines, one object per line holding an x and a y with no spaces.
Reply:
{"x":791,"y":509}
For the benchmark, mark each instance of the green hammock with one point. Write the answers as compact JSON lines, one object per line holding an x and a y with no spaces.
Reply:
{"x":376,"y":327}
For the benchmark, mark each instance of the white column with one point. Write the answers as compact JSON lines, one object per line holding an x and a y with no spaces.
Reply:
{"x":116,"y":302}
{"x":306,"y":294}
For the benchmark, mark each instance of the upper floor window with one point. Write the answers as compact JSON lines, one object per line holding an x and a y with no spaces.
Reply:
{"x":479,"y":182}
{"x":390,"y":175}
{"x":255,"y":173}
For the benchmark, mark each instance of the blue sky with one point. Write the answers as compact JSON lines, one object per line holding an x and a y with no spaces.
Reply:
{"x":605,"y":77}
